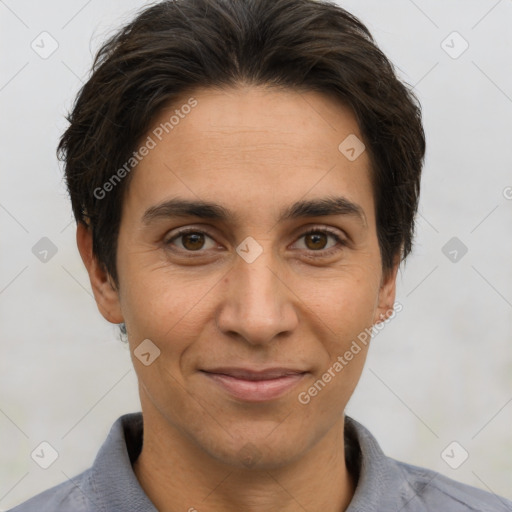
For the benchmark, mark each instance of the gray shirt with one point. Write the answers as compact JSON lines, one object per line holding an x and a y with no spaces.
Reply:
{"x":383,"y":484}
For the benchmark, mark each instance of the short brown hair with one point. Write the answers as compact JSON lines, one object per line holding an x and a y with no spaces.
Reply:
{"x":175,"y":46}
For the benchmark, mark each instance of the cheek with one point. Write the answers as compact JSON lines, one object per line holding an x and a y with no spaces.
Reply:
{"x":344,"y":303}
{"x":344,"y":308}
{"x":169,"y":309}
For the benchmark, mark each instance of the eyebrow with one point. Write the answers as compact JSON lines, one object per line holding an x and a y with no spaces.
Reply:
{"x":209,"y":210}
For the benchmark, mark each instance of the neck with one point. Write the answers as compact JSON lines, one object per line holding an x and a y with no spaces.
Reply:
{"x":177,"y":475}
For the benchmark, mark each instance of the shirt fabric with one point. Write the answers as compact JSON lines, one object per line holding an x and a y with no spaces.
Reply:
{"x":383,"y":484}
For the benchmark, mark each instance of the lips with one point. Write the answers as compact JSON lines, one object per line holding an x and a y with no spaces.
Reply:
{"x":255,"y":385}
{"x":250,"y":374}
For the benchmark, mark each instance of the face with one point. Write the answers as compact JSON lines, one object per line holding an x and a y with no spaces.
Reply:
{"x":248,"y":255}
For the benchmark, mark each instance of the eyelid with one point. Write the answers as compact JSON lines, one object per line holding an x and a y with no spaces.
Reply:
{"x":323,"y":229}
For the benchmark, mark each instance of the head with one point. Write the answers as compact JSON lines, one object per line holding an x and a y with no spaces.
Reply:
{"x":276,"y":134}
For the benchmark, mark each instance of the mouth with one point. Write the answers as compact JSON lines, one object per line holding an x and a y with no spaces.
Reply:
{"x":255,"y":385}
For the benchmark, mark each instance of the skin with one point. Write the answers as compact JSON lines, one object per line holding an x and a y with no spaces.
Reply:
{"x":255,"y":151}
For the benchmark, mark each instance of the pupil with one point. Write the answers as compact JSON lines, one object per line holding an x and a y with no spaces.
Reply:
{"x":193,"y":241}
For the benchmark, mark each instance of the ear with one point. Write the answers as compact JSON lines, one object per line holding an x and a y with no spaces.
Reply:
{"x":105,"y":293}
{"x":387,"y":292}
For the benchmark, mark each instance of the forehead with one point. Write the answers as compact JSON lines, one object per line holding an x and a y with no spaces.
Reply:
{"x":252,"y":145}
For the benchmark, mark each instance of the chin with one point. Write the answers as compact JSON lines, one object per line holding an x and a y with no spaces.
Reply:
{"x":255,"y":451}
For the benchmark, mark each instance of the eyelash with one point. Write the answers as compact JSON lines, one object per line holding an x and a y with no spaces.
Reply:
{"x":324,"y":252}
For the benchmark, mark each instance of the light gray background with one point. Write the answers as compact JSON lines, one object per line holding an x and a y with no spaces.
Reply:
{"x":441,"y":371}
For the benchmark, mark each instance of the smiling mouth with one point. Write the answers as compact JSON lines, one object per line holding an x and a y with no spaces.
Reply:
{"x":255,"y":386}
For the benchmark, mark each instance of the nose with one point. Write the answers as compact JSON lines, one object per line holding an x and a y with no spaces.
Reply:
{"x":258,"y":303}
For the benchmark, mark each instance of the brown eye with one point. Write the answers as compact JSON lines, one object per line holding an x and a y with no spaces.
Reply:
{"x":193,"y":241}
{"x":321,"y":241}
{"x":316,"y":241}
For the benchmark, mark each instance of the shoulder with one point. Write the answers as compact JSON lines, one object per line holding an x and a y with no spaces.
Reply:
{"x":428,"y":490}
{"x":386,"y":484}
{"x":108,"y":485}
{"x":64,"y":497}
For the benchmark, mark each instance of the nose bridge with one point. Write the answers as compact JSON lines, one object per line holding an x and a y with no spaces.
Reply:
{"x":257,"y":305}
{"x":261,"y":285}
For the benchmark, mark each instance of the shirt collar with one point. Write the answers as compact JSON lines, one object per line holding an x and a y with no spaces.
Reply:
{"x":381,"y":484}
{"x":112,"y":481}
{"x":112,"y":477}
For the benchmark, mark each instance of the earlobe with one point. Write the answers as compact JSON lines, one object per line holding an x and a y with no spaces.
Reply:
{"x":105,"y":293}
{"x":387,"y":294}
